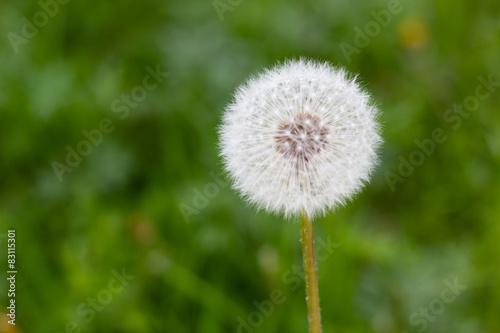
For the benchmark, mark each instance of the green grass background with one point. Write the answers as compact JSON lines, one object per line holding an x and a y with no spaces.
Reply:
{"x":120,"y":207}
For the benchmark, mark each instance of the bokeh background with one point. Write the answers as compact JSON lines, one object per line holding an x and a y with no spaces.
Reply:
{"x":150,"y":199}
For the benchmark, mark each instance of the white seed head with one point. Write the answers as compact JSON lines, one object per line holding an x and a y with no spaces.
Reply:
{"x":301,"y":136}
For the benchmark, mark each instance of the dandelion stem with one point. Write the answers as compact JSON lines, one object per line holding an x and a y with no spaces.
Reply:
{"x":312,"y":293}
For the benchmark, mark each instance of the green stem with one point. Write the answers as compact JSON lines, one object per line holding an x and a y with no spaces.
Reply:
{"x":312,"y":293}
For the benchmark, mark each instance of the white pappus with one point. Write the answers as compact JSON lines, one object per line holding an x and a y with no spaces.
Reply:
{"x":301,"y":137}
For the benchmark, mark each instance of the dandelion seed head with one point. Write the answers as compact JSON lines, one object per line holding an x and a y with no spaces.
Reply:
{"x":300,"y":137}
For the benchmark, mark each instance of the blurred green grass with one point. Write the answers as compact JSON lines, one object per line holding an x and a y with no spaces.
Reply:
{"x":120,"y":207}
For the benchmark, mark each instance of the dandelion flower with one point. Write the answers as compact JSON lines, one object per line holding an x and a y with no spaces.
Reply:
{"x":300,"y":138}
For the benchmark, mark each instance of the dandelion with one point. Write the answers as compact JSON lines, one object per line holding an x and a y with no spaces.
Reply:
{"x":300,"y":139}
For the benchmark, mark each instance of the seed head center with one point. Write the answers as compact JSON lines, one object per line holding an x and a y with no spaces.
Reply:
{"x":301,"y":137}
